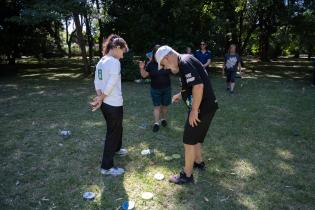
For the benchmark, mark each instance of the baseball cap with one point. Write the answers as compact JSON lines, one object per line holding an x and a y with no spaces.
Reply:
{"x":149,"y":54}
{"x":161,"y":53}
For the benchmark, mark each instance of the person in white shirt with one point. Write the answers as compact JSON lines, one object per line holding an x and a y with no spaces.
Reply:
{"x":109,"y":99}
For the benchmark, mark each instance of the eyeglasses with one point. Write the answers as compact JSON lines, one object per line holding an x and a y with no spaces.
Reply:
{"x":202,"y":44}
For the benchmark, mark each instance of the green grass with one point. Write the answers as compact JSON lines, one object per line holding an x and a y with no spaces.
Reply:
{"x":259,"y":151}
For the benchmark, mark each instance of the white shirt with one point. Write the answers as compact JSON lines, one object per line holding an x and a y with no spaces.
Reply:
{"x":108,"y":80}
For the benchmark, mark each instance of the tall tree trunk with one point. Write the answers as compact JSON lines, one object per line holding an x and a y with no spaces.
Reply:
{"x":310,"y":51}
{"x":68,"y":40}
{"x":246,"y":40}
{"x":264,"y":44}
{"x":53,"y":30}
{"x":102,"y":33}
{"x":89,"y":38}
{"x":81,"y":41}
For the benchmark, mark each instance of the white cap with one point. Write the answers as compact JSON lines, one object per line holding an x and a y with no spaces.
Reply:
{"x":161,"y":53}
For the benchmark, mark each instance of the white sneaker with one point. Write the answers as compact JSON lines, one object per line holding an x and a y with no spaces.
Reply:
{"x":115,"y":171}
{"x":122,"y":152}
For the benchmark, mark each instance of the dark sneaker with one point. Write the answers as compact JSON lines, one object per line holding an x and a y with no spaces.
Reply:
{"x":200,"y":166}
{"x":164,"y":123}
{"x":182,"y":179}
{"x":156,"y":128}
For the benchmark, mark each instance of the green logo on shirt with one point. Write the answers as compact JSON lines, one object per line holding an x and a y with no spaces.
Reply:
{"x":99,"y":72}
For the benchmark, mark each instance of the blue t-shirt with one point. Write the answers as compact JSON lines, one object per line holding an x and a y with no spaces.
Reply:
{"x":203,"y":57}
{"x":231,"y":62}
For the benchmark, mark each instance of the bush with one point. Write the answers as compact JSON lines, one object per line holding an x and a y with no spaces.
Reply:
{"x":129,"y":67}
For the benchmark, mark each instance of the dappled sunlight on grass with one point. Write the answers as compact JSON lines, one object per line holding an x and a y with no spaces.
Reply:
{"x":284,"y":154}
{"x":244,"y":169}
{"x":259,"y":150}
{"x":247,"y":201}
{"x":285,"y":168}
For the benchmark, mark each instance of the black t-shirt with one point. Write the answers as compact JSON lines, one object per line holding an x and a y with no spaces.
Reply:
{"x":160,"y":79}
{"x":231,"y":62}
{"x":192,"y":73}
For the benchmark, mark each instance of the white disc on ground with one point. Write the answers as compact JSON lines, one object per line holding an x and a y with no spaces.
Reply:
{"x":176,"y":156}
{"x":147,"y":195}
{"x":168,"y":158}
{"x":159,"y":176}
{"x":145,"y":152}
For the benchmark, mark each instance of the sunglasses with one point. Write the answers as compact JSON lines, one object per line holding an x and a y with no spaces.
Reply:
{"x":202,"y":44}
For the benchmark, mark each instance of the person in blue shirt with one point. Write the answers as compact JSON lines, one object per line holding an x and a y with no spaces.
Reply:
{"x":232,"y":63}
{"x":204,"y":55}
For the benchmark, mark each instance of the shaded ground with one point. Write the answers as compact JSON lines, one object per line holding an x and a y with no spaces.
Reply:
{"x":260,"y":150}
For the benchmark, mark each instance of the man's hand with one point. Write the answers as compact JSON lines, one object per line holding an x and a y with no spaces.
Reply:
{"x":96,"y":103}
{"x":176,"y":98}
{"x":141,"y":64}
{"x":193,"y":118}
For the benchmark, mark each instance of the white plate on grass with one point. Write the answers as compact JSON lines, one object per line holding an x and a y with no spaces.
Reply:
{"x":159,"y":176}
{"x":145,"y":152}
{"x":147,"y":195}
{"x":168,"y":158}
{"x":176,"y":156}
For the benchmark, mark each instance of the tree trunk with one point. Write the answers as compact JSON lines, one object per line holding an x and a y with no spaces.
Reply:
{"x":53,"y":30}
{"x":264,"y":45}
{"x":310,"y":51}
{"x":102,"y":33}
{"x":89,"y":38}
{"x":81,"y":41}
{"x":246,"y":40}
{"x":68,"y":41}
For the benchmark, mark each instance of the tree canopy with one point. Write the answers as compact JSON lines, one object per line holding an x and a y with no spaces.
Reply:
{"x":266,"y":28}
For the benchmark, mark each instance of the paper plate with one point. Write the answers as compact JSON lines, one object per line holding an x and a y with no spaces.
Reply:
{"x":147,"y":195}
{"x":88,"y":196}
{"x":159,"y":176}
{"x":168,"y":158}
{"x":145,"y":152}
{"x":176,"y":156}
{"x":128,"y":205}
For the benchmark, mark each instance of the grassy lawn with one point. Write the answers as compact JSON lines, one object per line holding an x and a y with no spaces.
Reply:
{"x":259,"y":151}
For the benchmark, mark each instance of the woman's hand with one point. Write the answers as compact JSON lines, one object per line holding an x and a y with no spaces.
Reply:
{"x":96,"y":103}
{"x":193,"y":118}
{"x":176,"y":98}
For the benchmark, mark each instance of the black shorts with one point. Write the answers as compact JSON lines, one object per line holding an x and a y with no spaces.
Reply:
{"x":230,"y":76}
{"x":195,"y":135}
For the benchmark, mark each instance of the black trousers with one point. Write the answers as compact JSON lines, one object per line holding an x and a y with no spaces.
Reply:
{"x":113,"y":141}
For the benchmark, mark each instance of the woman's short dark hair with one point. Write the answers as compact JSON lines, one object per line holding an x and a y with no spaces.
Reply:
{"x":114,"y":41}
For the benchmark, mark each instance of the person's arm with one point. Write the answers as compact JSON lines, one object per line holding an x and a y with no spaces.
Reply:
{"x":176,"y":97}
{"x":143,"y":72}
{"x":102,"y":93}
{"x":99,"y":85}
{"x":207,"y":64}
{"x":223,"y":67}
{"x":197,"y":93}
{"x":239,"y":66}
